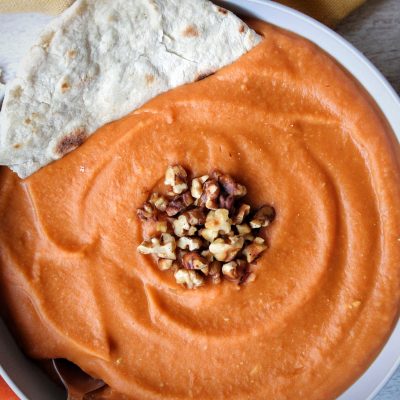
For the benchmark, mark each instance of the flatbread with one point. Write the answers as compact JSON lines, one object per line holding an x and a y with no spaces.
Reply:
{"x":100,"y":60}
{"x":2,"y":88}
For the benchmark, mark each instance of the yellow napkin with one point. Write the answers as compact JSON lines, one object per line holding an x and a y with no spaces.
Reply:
{"x":329,"y":12}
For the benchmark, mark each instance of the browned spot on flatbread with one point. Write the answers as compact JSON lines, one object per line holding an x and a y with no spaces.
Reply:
{"x":191,"y":31}
{"x":150,"y":79}
{"x":65,"y":86}
{"x":27,"y":121}
{"x":222,"y":10}
{"x":203,"y":76}
{"x":241,"y":29}
{"x":71,"y":53}
{"x":71,"y":142}
{"x":16,"y":146}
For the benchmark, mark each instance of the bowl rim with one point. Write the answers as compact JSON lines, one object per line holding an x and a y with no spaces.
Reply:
{"x":388,"y":360}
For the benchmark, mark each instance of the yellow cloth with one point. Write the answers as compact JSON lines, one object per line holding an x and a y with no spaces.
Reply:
{"x":328,"y":11}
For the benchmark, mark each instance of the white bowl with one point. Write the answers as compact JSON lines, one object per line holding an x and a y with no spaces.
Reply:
{"x":29,"y":383}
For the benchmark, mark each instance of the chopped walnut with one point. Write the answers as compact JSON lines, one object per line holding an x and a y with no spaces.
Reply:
{"x":179,"y":203}
{"x":230,"y":186}
{"x":197,"y":186}
{"x":226,"y":201}
{"x":263,"y":217}
{"x":147,"y":212}
{"x":218,"y":221}
{"x":158,"y":201}
{"x":189,"y":243}
{"x":164,"y":264}
{"x":208,"y":255}
{"x":190,"y":278}
{"x":241,"y":214}
{"x":209,"y":197}
{"x":207,"y":233}
{"x":182,"y":227}
{"x":214,"y":271}
{"x":226,"y":249}
{"x":162,"y":226}
{"x":176,"y":178}
{"x":193,"y":260}
{"x":196,"y":216}
{"x":254,"y":249}
{"x":243,"y":229}
{"x":162,"y":248}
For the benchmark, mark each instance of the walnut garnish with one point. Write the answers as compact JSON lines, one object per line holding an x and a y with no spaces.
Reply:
{"x":148,"y":211}
{"x":189,"y":243}
{"x":162,"y":248}
{"x":209,"y":197}
{"x":179,"y":203}
{"x":182,"y":227}
{"x":192,"y":279}
{"x":214,"y":272}
{"x":204,"y":231}
{"x":263,"y":217}
{"x":230,"y":186}
{"x":218,"y":221}
{"x":226,"y":249}
{"x":196,"y":216}
{"x":242,"y":212}
{"x":165,"y":264}
{"x":197,"y":186}
{"x":193,"y":260}
{"x":176,"y":177}
{"x":254,"y":249}
{"x":158,"y":201}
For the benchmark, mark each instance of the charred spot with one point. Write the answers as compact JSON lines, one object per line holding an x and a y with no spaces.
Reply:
{"x":191,"y":31}
{"x":65,"y":86}
{"x":222,"y":10}
{"x":241,"y":29}
{"x":204,"y":76}
{"x":71,"y":142}
{"x":71,"y":53}
{"x":16,"y":146}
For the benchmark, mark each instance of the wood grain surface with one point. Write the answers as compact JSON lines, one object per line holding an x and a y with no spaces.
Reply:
{"x":375,"y":30}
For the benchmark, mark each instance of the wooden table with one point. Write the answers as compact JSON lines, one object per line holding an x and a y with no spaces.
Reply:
{"x":375,"y":30}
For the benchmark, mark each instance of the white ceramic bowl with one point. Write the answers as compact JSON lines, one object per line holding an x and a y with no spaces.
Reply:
{"x":30,"y":384}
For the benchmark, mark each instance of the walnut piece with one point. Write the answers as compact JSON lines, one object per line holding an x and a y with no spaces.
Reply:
{"x":193,"y":260}
{"x":209,"y":197}
{"x":176,"y":177}
{"x":147,"y":212}
{"x":189,"y":243}
{"x":158,"y":201}
{"x":241,"y":214}
{"x":214,"y":272}
{"x":254,"y":249}
{"x":263,"y":217}
{"x":164,"y":264}
{"x":162,"y":248}
{"x":230,"y":186}
{"x":218,"y":221}
{"x":197,"y":186}
{"x":189,"y":278}
{"x":179,"y":203}
{"x":196,"y":216}
{"x":182,"y":227}
{"x":226,"y":249}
